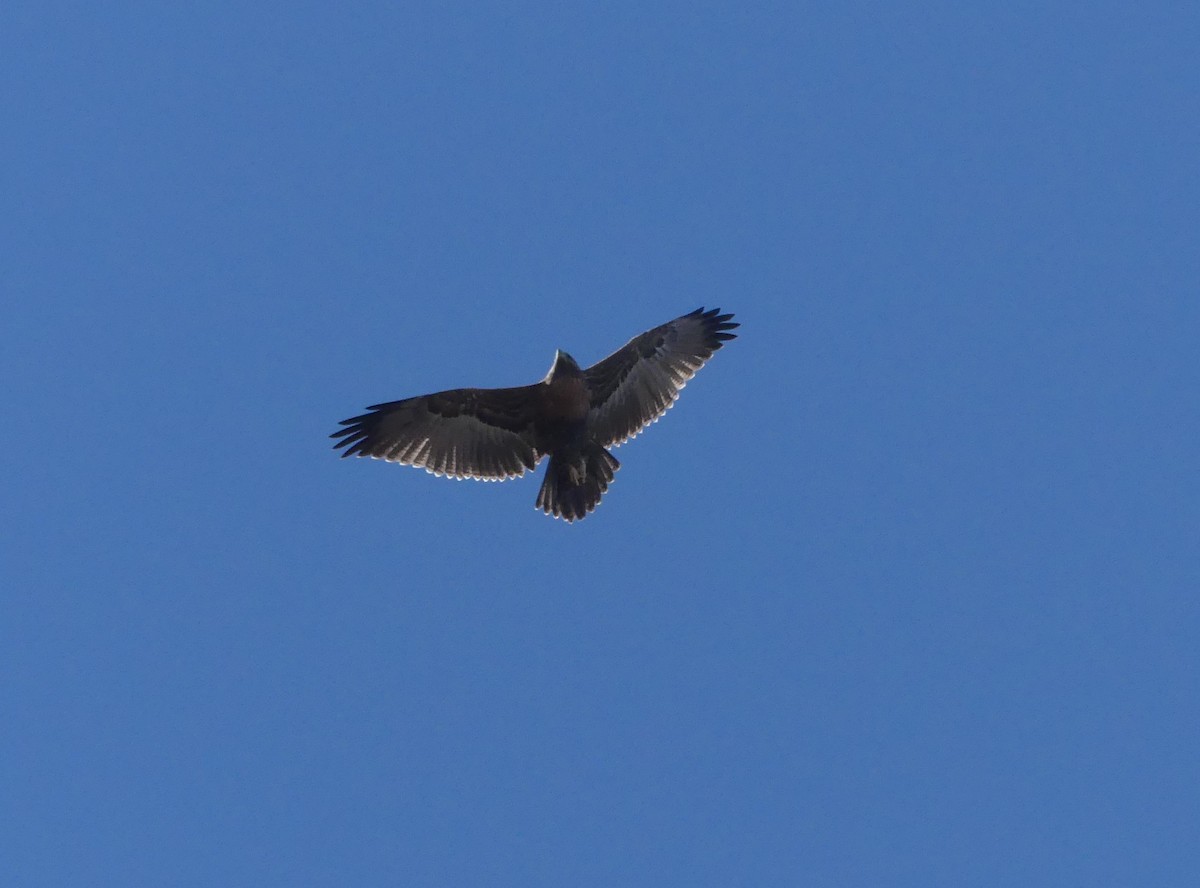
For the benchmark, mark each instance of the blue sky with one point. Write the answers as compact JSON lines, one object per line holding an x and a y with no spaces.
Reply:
{"x":902,"y":592}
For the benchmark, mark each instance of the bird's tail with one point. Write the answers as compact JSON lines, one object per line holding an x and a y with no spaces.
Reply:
{"x":576,"y":480}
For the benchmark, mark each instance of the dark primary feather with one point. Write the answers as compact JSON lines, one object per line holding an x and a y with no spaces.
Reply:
{"x":464,"y":433}
{"x":640,"y":381}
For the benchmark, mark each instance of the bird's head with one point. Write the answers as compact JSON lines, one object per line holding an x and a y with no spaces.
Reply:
{"x":564,"y":365}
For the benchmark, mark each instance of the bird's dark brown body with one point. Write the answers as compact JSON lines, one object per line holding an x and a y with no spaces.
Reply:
{"x":572,"y":416}
{"x":563,"y":401}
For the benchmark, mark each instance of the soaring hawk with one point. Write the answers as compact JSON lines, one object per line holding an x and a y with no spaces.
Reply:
{"x":571,"y":416}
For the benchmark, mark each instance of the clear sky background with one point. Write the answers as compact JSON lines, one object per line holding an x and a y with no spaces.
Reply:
{"x":902,"y":592}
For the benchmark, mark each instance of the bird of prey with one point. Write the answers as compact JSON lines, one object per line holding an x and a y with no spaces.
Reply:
{"x":572,"y":416}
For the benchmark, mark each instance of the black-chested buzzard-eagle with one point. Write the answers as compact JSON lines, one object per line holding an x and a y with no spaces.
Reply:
{"x":571,"y":416}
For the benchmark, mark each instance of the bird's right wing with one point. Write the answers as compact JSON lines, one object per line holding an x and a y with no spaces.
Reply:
{"x":464,"y":433}
{"x":637,"y":383}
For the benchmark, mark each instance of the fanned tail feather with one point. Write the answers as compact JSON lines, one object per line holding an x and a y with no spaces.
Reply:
{"x":575,"y":481}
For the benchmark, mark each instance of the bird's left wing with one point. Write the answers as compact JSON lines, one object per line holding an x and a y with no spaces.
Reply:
{"x":637,"y":383}
{"x":464,"y":433}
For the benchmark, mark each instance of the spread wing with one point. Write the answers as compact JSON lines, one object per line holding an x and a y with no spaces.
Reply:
{"x":464,"y":433}
{"x":636,"y":384}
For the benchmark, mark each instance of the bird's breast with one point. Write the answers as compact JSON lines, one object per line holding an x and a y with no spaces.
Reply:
{"x":565,"y":400}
